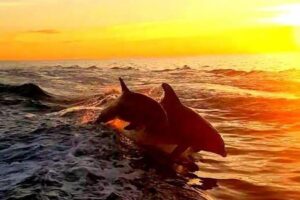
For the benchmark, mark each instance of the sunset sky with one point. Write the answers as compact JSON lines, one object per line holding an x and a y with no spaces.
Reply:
{"x":79,"y":29}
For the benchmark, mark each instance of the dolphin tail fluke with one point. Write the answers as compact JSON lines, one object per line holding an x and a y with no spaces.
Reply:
{"x":123,"y":85}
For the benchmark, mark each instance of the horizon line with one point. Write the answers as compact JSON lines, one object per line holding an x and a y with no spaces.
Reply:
{"x":149,"y":57}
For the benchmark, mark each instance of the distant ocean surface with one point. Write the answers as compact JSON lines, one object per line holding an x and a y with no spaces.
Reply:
{"x":48,"y":150}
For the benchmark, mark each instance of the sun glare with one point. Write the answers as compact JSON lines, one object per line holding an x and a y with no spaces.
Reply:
{"x":289,"y":15}
{"x":111,"y":28}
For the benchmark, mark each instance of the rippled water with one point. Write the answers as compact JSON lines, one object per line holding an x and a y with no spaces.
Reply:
{"x":48,"y":151}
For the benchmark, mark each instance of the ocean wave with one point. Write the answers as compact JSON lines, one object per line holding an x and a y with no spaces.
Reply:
{"x":249,"y":190}
{"x":184,"y":67}
{"x":32,"y":98}
{"x":82,"y":162}
{"x":124,"y":68}
{"x":92,"y":67}
{"x":57,"y":154}
{"x":233,"y":72}
{"x":29,"y":90}
{"x":73,"y":67}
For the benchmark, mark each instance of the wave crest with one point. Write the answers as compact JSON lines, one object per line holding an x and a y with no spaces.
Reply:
{"x":29,"y":90}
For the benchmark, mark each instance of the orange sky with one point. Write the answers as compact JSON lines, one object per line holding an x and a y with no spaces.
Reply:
{"x":58,"y":29}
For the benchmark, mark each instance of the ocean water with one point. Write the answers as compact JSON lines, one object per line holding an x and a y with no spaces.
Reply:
{"x":50,"y":150}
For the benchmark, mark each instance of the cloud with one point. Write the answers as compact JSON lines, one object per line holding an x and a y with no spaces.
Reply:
{"x":44,"y":31}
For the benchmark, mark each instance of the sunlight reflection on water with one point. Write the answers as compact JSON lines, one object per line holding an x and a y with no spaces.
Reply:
{"x":253,"y":100}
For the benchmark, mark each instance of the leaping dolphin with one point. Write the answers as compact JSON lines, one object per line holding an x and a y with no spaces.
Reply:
{"x":137,"y":109}
{"x":189,"y":128}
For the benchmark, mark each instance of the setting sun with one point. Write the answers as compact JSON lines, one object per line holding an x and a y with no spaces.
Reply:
{"x":288,"y":14}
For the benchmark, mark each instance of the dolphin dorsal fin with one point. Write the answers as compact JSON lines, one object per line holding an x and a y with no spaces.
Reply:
{"x":123,"y":86}
{"x":169,"y":94}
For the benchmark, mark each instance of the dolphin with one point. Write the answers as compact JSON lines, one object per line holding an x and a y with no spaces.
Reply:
{"x":189,"y":128}
{"x":138,"y":110}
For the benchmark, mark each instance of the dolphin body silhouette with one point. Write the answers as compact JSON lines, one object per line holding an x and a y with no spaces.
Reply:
{"x":189,"y":128}
{"x":137,"y":109}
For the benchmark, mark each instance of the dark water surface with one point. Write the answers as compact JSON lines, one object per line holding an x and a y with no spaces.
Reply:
{"x":48,"y":151}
